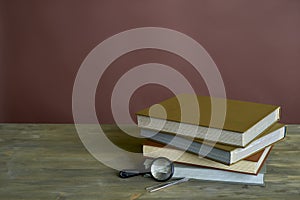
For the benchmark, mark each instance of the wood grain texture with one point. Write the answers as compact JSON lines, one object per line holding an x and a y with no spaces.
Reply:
{"x":43,"y":161}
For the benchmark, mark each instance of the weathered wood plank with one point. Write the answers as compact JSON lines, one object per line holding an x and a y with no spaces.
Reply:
{"x":48,"y":161}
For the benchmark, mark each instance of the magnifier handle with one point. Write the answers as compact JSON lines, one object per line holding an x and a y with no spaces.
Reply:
{"x":126,"y":173}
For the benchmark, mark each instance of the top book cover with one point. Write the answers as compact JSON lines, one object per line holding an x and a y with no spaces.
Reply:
{"x":237,"y":125}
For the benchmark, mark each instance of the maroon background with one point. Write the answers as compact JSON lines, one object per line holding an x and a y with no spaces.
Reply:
{"x":255,"y":44}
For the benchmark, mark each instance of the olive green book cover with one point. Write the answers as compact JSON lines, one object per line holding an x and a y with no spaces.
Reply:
{"x":240,"y":115}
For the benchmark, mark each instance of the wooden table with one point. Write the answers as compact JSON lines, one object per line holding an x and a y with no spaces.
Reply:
{"x":43,"y":161}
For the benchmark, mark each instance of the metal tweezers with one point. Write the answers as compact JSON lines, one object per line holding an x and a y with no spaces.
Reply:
{"x":165,"y":185}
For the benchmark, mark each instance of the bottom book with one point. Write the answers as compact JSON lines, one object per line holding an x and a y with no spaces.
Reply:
{"x":217,"y":175}
{"x":209,"y":174}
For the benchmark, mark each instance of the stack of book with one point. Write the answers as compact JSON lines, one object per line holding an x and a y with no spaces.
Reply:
{"x":233,"y":151}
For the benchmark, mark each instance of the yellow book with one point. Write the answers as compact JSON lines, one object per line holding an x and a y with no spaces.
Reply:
{"x":243,"y":121}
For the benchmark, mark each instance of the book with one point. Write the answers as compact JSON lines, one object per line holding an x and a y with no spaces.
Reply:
{"x":249,"y":165}
{"x":243,"y":122}
{"x":219,"y":152}
{"x":217,"y":175}
{"x":208,"y":174}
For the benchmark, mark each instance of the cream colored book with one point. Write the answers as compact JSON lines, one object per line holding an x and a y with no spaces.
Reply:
{"x":249,"y":165}
{"x":244,"y":121}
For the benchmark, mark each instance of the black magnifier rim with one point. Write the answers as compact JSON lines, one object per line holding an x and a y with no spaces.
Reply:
{"x":172,"y":169}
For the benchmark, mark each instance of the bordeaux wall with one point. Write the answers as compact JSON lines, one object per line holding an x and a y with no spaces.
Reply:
{"x":255,"y":44}
{"x":2,"y":61}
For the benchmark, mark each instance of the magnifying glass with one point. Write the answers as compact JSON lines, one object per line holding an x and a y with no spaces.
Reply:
{"x":161,"y":169}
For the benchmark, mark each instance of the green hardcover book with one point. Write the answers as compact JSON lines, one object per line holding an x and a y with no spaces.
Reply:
{"x":243,"y":121}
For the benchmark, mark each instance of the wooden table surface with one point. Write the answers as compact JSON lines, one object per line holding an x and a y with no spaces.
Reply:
{"x":43,"y":161}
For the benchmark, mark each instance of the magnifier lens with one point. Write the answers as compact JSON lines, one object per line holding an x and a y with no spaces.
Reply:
{"x":162,"y":169}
